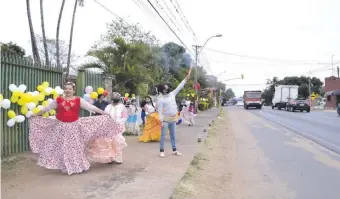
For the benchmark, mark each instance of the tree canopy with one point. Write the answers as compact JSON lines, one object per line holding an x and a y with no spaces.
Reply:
{"x":302,"y":82}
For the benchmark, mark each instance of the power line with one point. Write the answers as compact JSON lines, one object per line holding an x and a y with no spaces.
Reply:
{"x":105,"y":8}
{"x":266,"y":59}
{"x":168,"y":26}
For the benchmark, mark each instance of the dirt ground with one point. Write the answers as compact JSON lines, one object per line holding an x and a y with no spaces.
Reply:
{"x":230,"y":165}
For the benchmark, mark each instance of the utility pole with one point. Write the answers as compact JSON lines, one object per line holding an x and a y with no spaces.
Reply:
{"x":310,"y":89}
{"x":332,"y":66}
{"x":196,"y":75}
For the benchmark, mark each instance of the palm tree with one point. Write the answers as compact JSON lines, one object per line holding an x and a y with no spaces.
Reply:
{"x":35,"y":51}
{"x":81,"y":3}
{"x":47,"y":61}
{"x":57,"y":36}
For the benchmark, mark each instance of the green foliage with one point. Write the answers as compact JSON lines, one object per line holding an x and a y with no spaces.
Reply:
{"x":302,"y":82}
{"x":228,"y":94}
{"x":13,"y":48}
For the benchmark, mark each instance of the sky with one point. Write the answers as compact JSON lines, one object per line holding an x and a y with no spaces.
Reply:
{"x":260,"y":39}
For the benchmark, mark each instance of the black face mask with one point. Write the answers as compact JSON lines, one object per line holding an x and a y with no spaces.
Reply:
{"x":115,"y":100}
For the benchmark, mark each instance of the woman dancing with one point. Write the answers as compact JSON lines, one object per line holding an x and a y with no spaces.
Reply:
{"x":62,"y":142}
{"x":152,"y":129}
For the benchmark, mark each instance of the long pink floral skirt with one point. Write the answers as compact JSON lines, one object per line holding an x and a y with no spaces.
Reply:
{"x":70,"y":146}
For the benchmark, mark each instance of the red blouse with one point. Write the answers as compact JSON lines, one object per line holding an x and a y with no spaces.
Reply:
{"x":68,"y":110}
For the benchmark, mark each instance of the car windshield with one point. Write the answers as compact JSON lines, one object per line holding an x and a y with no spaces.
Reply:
{"x":253,"y":95}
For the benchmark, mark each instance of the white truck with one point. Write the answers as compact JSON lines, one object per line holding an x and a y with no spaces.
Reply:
{"x":283,"y":93}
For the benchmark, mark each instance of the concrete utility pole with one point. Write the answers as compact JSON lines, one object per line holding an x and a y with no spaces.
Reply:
{"x":310,"y":89}
{"x":196,"y":65}
{"x":332,"y":66}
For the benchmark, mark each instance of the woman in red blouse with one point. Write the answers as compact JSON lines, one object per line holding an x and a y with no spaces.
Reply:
{"x":62,"y":143}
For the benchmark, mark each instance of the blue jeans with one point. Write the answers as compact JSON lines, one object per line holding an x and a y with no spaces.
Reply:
{"x":172,"y":128}
{"x":143,"y":115}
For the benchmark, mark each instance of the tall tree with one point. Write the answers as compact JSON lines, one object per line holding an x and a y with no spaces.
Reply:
{"x":58,"y":30}
{"x":81,"y":3}
{"x":47,"y":62}
{"x":228,"y":94}
{"x":33,"y":40}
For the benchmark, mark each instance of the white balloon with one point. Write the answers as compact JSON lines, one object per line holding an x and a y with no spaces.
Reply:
{"x":50,"y":100}
{"x":30,"y":105}
{"x":6,"y":104}
{"x":57,"y":88}
{"x":40,"y":107}
{"x":60,"y":91}
{"x":29,"y":114}
{"x":19,"y":118}
{"x":48,"y":90}
{"x":12,"y":87}
{"x":22,"y":88}
{"x":35,"y":93}
{"x":11,"y":122}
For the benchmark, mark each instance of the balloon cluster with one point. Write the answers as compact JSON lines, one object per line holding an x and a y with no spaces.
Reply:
{"x":91,"y":95}
{"x":29,"y":102}
{"x":126,"y":97}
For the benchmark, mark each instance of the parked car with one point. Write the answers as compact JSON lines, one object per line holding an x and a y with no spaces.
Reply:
{"x":298,"y":104}
{"x":240,"y":103}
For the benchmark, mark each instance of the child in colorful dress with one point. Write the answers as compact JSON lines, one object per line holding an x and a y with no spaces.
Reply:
{"x":132,"y":125}
{"x":62,"y":142}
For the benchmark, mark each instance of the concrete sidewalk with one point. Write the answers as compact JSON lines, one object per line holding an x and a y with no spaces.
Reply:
{"x":143,"y":175}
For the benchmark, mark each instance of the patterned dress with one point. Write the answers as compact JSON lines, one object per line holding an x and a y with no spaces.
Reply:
{"x":63,"y":143}
{"x":132,"y":125}
{"x":118,"y":114}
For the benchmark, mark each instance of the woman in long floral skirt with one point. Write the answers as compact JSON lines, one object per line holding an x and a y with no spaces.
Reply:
{"x":62,"y":142}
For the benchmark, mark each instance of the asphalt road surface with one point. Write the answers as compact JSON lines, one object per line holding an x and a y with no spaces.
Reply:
{"x":297,"y":154}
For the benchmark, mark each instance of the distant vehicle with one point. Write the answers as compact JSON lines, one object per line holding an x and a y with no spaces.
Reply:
{"x":252,"y":99}
{"x":239,"y":103}
{"x":283,"y":94}
{"x":298,"y":104}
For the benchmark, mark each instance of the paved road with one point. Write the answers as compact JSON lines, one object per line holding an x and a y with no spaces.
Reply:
{"x":320,"y":126}
{"x":298,"y":167}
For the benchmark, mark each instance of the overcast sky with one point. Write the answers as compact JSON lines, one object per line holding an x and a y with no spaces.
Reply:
{"x":274,"y":38}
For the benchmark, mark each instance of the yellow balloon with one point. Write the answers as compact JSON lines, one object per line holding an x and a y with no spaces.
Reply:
{"x":41,"y":97}
{"x":26,"y":98}
{"x":36,"y":110}
{"x":133,"y":95}
{"x":100,"y":90}
{"x":11,"y":114}
{"x":126,"y":95}
{"x":45,"y":114}
{"x":52,"y":112}
{"x":44,"y":103}
{"x":40,"y":88}
{"x":53,"y":92}
{"x":55,"y":96}
{"x":21,"y":102}
{"x":45,"y":84}
{"x":14,"y":99}
{"x":42,"y":93}
{"x":94,"y":95}
{"x":16,"y":94}
{"x":24,"y":110}
{"x":1,"y":97}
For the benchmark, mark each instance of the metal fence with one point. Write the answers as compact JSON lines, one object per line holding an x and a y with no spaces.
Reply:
{"x":20,"y":70}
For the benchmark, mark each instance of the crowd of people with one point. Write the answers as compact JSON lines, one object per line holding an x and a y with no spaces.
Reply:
{"x":69,"y":142}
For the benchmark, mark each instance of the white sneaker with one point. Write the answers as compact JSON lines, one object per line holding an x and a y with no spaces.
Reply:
{"x":176,"y":153}
{"x":162,"y":154}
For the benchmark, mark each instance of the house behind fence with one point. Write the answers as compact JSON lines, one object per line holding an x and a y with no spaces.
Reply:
{"x":20,"y":70}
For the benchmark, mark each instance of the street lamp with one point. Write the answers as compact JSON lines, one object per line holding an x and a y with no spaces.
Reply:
{"x":196,"y":65}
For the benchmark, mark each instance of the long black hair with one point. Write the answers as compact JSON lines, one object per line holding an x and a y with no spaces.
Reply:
{"x":148,"y":97}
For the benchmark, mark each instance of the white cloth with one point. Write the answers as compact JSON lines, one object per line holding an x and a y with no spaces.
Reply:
{"x":83,"y":104}
{"x":149,"y":109}
{"x":117,"y":112}
{"x":167,"y":105}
